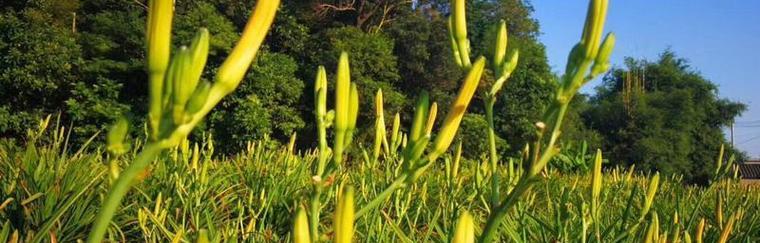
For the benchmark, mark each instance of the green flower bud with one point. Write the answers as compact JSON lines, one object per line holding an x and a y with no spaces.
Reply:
{"x":596,"y":182}
{"x":380,"y":132}
{"x":420,"y":117}
{"x":353,"y":113}
{"x":198,"y":54}
{"x":500,"y":46}
{"x":602,"y":61}
{"x":651,"y":192}
{"x":453,"y":40}
{"x":158,"y":36}
{"x":181,"y":77}
{"x":506,"y":71}
{"x":431,"y":119}
{"x":116,"y":136}
{"x":320,"y":91}
{"x":459,"y":26}
{"x":198,"y":99}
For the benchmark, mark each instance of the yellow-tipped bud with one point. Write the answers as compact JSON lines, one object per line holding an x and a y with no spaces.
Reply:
{"x":236,"y":65}
{"x":181,"y":78}
{"x":457,"y":110}
{"x":500,"y":45}
{"x":465,"y":229}
{"x":344,"y":216}
{"x":342,"y":93}
{"x":301,"y":227}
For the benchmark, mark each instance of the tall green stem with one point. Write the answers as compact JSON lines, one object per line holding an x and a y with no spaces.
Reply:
{"x":490,"y":101}
{"x":120,"y":189}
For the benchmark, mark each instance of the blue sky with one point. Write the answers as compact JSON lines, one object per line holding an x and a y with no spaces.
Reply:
{"x":720,"y":38}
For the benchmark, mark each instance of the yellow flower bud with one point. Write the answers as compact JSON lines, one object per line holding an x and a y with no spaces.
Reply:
{"x":457,"y":110}
{"x":700,"y":231}
{"x":301,"y":227}
{"x":465,"y":229}
{"x":342,"y":93}
{"x":158,"y":36}
{"x":594,"y":26}
{"x":236,"y":65}
{"x":596,"y":179}
{"x":431,"y":118}
{"x":344,"y":216}
{"x":380,"y":132}
{"x":651,"y":191}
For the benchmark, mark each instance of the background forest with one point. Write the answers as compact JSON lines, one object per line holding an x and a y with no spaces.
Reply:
{"x":83,"y":60}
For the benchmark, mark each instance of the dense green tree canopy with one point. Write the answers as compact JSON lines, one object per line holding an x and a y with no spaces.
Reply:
{"x":663,"y":116}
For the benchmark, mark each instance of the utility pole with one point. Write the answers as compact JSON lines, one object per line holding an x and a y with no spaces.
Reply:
{"x":732,"y":134}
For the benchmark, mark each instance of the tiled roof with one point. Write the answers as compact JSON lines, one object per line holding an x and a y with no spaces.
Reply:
{"x":749,"y":170}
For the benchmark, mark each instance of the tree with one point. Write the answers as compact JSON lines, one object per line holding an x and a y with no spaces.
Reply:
{"x":662,"y":116}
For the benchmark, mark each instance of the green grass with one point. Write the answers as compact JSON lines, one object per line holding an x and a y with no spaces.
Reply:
{"x":53,"y":192}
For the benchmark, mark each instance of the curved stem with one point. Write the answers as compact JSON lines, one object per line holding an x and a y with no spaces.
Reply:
{"x":119,"y":189}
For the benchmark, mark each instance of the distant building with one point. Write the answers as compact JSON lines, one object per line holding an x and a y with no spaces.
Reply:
{"x":750,"y":171}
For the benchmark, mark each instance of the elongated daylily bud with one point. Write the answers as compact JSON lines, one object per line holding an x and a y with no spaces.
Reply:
{"x":420,"y":117}
{"x":700,"y":231}
{"x":453,"y":40}
{"x":158,"y":36}
{"x":719,"y":161}
{"x":301,"y":227}
{"x":594,"y":27}
{"x":500,"y":46}
{"x":457,"y":110}
{"x":353,"y":113}
{"x":651,"y":191}
{"x":320,"y":91}
{"x":459,"y":25}
{"x":506,"y":71}
{"x":431,"y":119}
{"x":198,"y":55}
{"x":380,"y":132}
{"x":394,"y":130}
{"x":465,"y":229}
{"x":344,"y":216}
{"x":602,"y":62}
{"x":116,"y":136}
{"x":342,"y":93}
{"x":596,"y":185}
{"x":236,"y":65}
{"x":198,"y":99}
{"x":181,"y":79}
